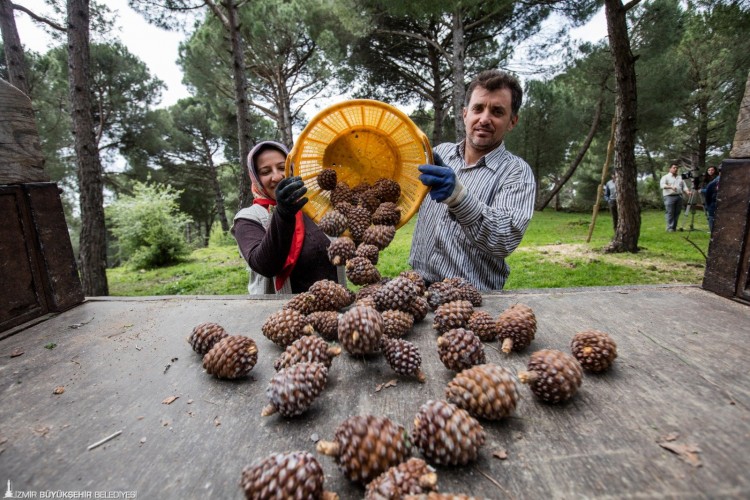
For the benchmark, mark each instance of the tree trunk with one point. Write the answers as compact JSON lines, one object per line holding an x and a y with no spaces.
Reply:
{"x":285,"y":113}
{"x":579,"y":157}
{"x":240,"y":97}
{"x":93,"y":239}
{"x":438,"y":105}
{"x":14,"y":57}
{"x":459,"y":86}
{"x":626,"y":107}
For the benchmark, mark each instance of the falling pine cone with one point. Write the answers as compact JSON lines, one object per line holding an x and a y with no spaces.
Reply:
{"x":327,"y":179}
{"x":595,"y":350}
{"x":388,"y":189}
{"x":460,"y":349}
{"x":231,"y":357}
{"x":310,"y":349}
{"x":359,"y":219}
{"x":403,"y":357}
{"x":292,"y":390}
{"x":296,"y":474}
{"x":485,"y":391}
{"x":205,"y":335}
{"x":342,"y":193}
{"x":398,"y":294}
{"x":434,"y":495}
{"x":387,"y":214}
{"x":340,"y":250}
{"x":330,"y":295}
{"x":370,"y":252}
{"x":333,"y":223}
{"x":325,"y":323}
{"x":411,"y":477}
{"x":483,"y":325}
{"x":304,"y":302}
{"x":379,"y":235}
{"x":452,"y":315}
{"x":446,"y":434}
{"x":285,"y":326}
{"x":370,"y":200}
{"x":553,"y":376}
{"x":360,"y":330}
{"x":365,"y":446}
{"x":361,"y":271}
{"x":396,"y":324}
{"x":516,"y":328}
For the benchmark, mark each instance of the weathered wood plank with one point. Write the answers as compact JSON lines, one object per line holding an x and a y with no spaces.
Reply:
{"x":21,"y":158}
{"x":741,"y":144}
{"x":681,"y":369}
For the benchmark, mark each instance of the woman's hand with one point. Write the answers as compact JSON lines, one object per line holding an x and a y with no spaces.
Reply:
{"x":289,"y":196}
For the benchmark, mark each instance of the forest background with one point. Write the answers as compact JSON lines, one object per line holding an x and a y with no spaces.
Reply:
{"x":171,"y":176}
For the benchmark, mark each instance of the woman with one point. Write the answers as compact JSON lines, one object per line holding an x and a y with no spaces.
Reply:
{"x":285,"y":249}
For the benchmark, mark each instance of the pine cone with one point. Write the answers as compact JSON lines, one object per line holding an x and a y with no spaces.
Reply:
{"x":205,"y":335}
{"x":231,"y":357}
{"x":396,"y":323}
{"x":361,"y":271}
{"x":595,"y":350}
{"x":333,"y":223}
{"x":379,"y":236}
{"x":310,"y":349}
{"x":387,"y":214}
{"x":325,"y":323}
{"x":292,"y":390}
{"x":370,"y":252}
{"x":447,"y":435}
{"x":397,"y":294}
{"x":516,"y":327}
{"x":281,"y":476}
{"x":285,"y":326}
{"x":331,"y":296}
{"x":340,"y":250}
{"x":403,"y":357}
{"x":483,"y":325}
{"x":411,"y":477}
{"x":452,"y":315}
{"x":460,"y":349}
{"x":365,"y":446}
{"x":360,"y":330}
{"x":304,"y":302}
{"x":553,"y":376}
{"x":485,"y":391}
{"x":327,"y":179}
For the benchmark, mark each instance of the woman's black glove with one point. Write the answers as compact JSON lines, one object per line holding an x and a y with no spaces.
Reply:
{"x":289,"y":198}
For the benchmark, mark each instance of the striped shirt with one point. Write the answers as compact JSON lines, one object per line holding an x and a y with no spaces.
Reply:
{"x":472,"y":239}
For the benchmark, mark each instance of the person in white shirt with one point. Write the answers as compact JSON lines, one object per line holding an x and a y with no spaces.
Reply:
{"x":672,"y":187}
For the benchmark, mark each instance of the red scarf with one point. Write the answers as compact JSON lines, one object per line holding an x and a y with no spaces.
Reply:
{"x":298,"y":238}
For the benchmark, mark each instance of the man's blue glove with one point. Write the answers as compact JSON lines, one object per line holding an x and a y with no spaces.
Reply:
{"x":289,"y":196}
{"x":444,"y":186}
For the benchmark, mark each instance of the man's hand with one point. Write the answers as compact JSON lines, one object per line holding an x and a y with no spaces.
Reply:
{"x":440,"y":179}
{"x":289,"y":196}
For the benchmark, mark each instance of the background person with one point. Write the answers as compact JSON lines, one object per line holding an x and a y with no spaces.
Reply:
{"x":285,"y":250}
{"x":481,"y":197}
{"x":610,"y":195}
{"x":709,"y":193}
{"x":672,"y":188}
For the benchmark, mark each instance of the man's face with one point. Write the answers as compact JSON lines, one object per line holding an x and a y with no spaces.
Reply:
{"x":488,"y":118}
{"x":673,"y":170}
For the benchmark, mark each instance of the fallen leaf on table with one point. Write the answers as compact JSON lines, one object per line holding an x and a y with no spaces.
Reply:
{"x":170,"y":400}
{"x":16,"y":353}
{"x":217,"y":422}
{"x":390,"y":383}
{"x":686,"y":452}
{"x":501,"y":454}
{"x":672,"y":436}
{"x":59,"y":389}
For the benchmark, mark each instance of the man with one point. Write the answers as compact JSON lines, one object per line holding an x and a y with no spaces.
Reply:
{"x":481,"y":197}
{"x":672,"y":187}
{"x":709,"y":192}
{"x":610,"y":196}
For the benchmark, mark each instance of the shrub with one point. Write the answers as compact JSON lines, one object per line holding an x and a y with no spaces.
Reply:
{"x":218,"y":238}
{"x":149,"y":226}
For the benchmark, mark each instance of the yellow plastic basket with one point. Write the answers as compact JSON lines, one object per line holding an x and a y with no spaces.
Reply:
{"x":363,"y":140}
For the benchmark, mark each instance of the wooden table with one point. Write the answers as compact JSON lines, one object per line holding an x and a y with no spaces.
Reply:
{"x":681,"y":379}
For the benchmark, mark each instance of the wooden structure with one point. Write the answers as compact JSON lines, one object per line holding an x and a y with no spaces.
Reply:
{"x":728,"y":267}
{"x":671,"y":420}
{"x":38,"y":270}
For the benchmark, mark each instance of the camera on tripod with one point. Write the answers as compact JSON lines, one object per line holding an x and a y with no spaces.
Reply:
{"x":689,"y":174}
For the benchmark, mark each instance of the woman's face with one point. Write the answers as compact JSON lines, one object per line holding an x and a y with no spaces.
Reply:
{"x":270,"y":167}
{"x":711,"y":171}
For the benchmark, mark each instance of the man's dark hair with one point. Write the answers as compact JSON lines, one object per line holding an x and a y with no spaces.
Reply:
{"x":494,"y":79}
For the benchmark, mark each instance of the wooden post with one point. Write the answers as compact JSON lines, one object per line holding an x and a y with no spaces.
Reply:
{"x":605,"y":172}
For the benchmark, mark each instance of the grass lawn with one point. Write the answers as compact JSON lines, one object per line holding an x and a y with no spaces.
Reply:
{"x":553,"y":254}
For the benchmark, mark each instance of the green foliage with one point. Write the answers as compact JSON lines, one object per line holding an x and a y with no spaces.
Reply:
{"x":220,"y":238}
{"x":148,"y":226}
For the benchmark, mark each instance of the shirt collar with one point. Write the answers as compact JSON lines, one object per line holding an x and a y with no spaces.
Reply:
{"x":491,"y":160}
